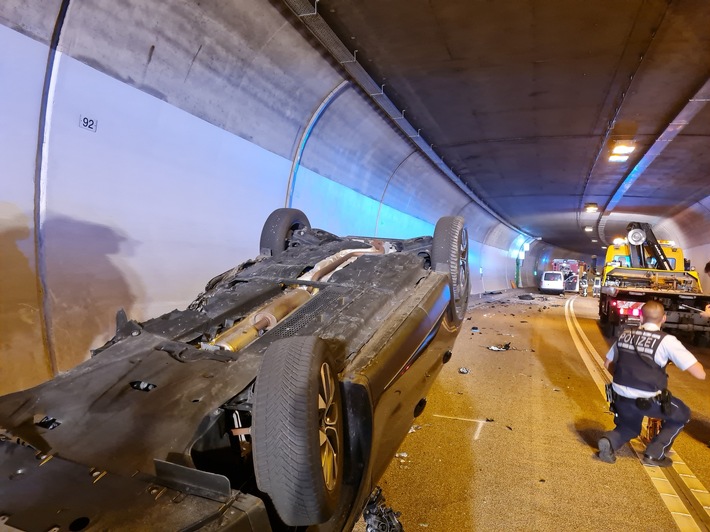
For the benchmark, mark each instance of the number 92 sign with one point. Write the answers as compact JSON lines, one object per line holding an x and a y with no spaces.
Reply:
{"x":88,"y":123}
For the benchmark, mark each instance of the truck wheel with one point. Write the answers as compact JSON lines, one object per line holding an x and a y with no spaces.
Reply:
{"x":449,"y":252}
{"x":278,"y":230}
{"x":603,"y":316}
{"x":297,"y":430}
{"x":610,"y":329}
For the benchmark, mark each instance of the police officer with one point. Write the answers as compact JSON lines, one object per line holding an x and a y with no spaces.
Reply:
{"x":637,"y":361}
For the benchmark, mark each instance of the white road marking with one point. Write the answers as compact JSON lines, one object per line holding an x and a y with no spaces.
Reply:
{"x":480,"y":423}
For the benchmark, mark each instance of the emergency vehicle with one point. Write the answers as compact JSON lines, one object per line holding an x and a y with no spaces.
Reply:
{"x":572,"y":270}
{"x":641,"y":268}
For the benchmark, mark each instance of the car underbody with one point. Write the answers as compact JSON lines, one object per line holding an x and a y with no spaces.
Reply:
{"x":276,"y":399}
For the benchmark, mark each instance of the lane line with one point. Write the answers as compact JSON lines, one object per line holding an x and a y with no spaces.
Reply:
{"x":589,"y":355}
{"x":480,"y":423}
{"x":695,"y":515}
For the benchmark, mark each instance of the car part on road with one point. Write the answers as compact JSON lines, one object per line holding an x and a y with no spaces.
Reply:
{"x":500,"y":347}
{"x":378,"y":517}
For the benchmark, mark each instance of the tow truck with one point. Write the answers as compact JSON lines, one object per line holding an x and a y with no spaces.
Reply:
{"x":642,"y":268}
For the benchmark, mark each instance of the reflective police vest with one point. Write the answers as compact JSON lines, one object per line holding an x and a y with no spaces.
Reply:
{"x":634,"y":365}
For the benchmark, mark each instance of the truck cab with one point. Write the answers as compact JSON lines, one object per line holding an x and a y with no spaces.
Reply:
{"x":641,"y":268}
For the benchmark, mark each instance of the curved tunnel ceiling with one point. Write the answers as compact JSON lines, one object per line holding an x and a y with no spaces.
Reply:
{"x":523,"y":102}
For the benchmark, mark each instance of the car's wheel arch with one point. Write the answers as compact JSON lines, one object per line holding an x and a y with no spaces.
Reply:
{"x":357,"y":481}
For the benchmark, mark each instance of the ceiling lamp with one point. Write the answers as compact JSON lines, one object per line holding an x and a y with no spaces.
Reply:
{"x":591,"y":207}
{"x":621,"y":150}
{"x":623,"y":147}
{"x":618,"y":158}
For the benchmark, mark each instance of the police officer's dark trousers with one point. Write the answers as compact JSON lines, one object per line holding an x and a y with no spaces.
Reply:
{"x":629,"y":418}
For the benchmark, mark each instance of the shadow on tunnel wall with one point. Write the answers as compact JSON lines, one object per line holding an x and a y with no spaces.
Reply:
{"x":23,"y":360}
{"x":85,"y":287}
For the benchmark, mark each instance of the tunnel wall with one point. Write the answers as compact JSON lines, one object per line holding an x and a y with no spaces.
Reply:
{"x":143,"y":152}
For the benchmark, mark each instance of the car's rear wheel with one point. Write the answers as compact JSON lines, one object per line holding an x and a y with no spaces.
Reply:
{"x":279,"y":228}
{"x":297,"y":430}
{"x":450,"y":249}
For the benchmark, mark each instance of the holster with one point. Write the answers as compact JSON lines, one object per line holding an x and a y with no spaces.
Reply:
{"x":665,"y":399}
{"x":610,"y":396}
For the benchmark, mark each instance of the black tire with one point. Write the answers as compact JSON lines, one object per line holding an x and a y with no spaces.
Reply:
{"x":610,"y":329}
{"x":603,"y":316}
{"x":278,"y":230}
{"x":297,"y":431}
{"x":449,"y":252}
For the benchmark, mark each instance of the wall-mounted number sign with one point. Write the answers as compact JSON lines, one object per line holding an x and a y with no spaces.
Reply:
{"x":88,"y":123}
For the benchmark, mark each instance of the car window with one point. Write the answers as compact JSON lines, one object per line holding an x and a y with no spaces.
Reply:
{"x":652,"y":262}
{"x":623,"y":260}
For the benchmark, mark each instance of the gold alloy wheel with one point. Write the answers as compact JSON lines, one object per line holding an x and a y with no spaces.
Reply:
{"x":463,"y":262}
{"x":328,"y":428}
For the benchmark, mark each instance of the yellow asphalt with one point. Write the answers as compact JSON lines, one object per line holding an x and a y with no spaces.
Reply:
{"x":508,"y":439}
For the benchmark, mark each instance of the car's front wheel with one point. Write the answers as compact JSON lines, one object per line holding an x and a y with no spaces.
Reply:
{"x":450,"y":249}
{"x":297,"y":430}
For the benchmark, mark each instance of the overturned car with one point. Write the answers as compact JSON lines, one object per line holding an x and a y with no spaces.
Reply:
{"x":274,"y":401}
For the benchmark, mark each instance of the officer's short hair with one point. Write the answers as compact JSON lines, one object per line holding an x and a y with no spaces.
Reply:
{"x":707,"y":268}
{"x":653,"y":311}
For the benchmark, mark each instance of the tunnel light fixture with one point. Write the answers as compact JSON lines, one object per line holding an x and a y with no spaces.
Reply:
{"x":591,"y":207}
{"x":623,"y":147}
{"x":619,"y":241}
{"x":620,"y":151}
{"x":595,"y":240}
{"x":588,"y":229}
{"x":618,"y":158}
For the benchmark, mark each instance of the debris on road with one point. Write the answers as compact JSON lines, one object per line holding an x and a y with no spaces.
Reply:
{"x":463,"y":371}
{"x":475,"y":329}
{"x":527,"y":297}
{"x":499,"y":347}
{"x":378,"y":516}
